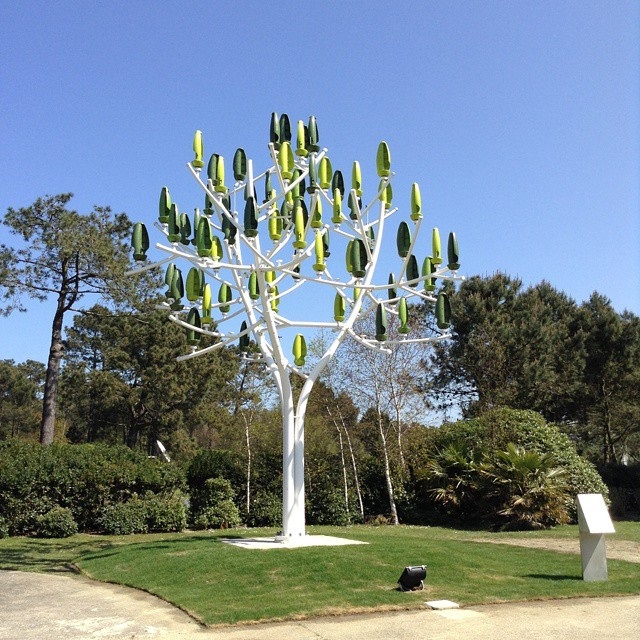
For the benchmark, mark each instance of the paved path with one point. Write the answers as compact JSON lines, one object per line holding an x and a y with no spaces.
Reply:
{"x":35,"y":606}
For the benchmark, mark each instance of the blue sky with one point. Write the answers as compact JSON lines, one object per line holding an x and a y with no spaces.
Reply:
{"x":520,"y":120}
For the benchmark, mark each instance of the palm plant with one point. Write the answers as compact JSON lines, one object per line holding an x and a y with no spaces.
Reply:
{"x":454,"y":479}
{"x":530,"y":487}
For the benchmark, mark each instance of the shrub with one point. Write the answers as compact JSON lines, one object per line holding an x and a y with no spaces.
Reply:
{"x":212,"y":506}
{"x":56,"y":523}
{"x":124,"y":518}
{"x":265,"y":510}
{"x":83,"y":478}
{"x":327,"y":506}
{"x":149,"y":513}
{"x":213,"y":464}
{"x":378,"y":521}
{"x":530,"y":489}
{"x":224,"y":515}
{"x":463,"y":470}
{"x":4,"y":528}
{"x":165,"y":512}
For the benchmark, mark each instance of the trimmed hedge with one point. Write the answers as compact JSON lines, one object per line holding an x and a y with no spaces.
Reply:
{"x":85,"y":479}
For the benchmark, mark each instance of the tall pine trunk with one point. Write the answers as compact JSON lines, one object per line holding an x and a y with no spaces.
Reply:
{"x":56,"y":351}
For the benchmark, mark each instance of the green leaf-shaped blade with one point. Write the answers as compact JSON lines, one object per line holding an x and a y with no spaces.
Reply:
{"x":253,"y":286}
{"x":224,"y":297}
{"x":185,"y":229}
{"x":196,"y":221}
{"x":285,"y":128}
{"x":203,"y":238}
{"x":164,"y":206}
{"x":274,"y":130}
{"x":301,"y":143}
{"x":299,"y":350}
{"x":275,"y":299}
{"x":316,"y":218}
{"x":140,"y":241}
{"x":403,"y":316}
{"x":356,"y":178}
{"x":337,"y":181}
{"x":206,"y":304}
{"x":299,"y":224}
{"x":229,"y":230}
{"x":174,"y":224}
{"x":275,"y":224}
{"x":348,"y":257}
{"x":383,"y":160}
{"x":195,"y":284}
{"x":353,"y":202}
{"x":453,"y":257}
{"x":387,"y":194}
{"x":403,"y":239}
{"x":176,"y":289}
{"x":244,"y":340}
{"x":412,"y":271}
{"x":250,"y":218}
{"x":416,"y":202}
{"x":285,"y":160}
{"x":339,"y":307}
{"x":319,"y":250}
{"x":198,"y":150}
{"x":325,"y":173}
{"x":436,"y":252}
{"x":358,"y":258}
{"x":314,"y":137}
{"x":215,"y":171}
{"x":168,"y":277}
{"x":239,"y":164}
{"x":443,"y":311}
{"x":336,"y":218}
{"x":216,"y":249}
{"x":381,"y":323}
{"x":193,"y":318}
{"x":427,"y":269}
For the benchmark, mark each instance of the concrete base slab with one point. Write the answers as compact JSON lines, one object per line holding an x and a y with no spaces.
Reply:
{"x":289,"y":543}
{"x":442,"y":604}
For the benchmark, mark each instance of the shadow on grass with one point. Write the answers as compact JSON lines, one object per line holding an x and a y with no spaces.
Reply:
{"x":32,"y":554}
{"x":554,"y":578}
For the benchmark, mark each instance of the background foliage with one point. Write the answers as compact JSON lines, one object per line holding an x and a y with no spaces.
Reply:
{"x":545,"y":388}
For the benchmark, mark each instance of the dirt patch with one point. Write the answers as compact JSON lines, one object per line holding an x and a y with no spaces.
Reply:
{"x":616,"y":549}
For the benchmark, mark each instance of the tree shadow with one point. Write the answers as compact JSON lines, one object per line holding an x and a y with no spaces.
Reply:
{"x":553,"y":577}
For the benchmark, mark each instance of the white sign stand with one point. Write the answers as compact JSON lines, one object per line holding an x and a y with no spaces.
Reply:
{"x":593,"y":521}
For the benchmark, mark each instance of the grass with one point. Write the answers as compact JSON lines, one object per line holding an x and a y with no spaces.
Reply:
{"x":218,"y":583}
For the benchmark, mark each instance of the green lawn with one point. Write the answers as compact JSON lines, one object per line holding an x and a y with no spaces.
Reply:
{"x":218,"y":583}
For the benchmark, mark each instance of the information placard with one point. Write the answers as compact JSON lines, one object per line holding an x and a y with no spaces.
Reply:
{"x":593,"y":516}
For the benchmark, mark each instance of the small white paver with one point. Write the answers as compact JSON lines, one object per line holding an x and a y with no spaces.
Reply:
{"x":442,"y":604}
{"x":289,"y":543}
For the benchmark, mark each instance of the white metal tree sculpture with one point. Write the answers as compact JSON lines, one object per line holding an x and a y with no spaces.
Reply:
{"x":257,"y":259}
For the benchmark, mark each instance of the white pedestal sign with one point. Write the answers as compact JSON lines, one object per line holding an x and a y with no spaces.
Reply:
{"x":593,"y":521}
